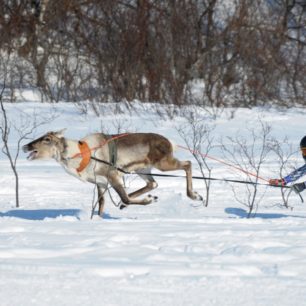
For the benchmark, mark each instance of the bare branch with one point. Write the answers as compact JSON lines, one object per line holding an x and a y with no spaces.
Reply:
{"x":249,"y":154}
{"x":199,"y":140}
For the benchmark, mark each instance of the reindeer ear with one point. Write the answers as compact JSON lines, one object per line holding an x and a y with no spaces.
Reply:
{"x":60,"y":134}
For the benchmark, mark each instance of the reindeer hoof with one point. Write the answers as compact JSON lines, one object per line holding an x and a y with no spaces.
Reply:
{"x":122,"y":206}
{"x":153,"y":198}
{"x":195,"y":196}
{"x":198,"y":197}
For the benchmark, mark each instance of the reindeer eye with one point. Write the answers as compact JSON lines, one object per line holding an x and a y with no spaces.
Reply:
{"x":47,"y":139}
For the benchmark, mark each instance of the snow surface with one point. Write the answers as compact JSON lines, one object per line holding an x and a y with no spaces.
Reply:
{"x":173,"y":252}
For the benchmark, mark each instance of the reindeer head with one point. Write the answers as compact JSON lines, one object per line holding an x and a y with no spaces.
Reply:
{"x":48,"y":146}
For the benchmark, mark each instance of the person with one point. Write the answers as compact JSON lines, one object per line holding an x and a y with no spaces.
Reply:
{"x":294,"y":175}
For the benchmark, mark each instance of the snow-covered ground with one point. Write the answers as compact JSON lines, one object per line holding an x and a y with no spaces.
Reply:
{"x":173,"y":252}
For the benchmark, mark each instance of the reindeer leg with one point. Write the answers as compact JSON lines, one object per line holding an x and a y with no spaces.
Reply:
{"x":171,"y":164}
{"x":151,"y":183}
{"x":117,"y":183}
{"x":101,"y":192}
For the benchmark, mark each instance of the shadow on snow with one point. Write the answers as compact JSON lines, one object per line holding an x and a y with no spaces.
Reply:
{"x":242,"y":213}
{"x":41,"y":214}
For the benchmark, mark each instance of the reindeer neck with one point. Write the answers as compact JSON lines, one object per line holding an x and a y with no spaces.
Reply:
{"x":71,"y":148}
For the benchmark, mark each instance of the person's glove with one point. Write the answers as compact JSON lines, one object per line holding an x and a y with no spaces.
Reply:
{"x":277,"y":182}
{"x":299,"y":187}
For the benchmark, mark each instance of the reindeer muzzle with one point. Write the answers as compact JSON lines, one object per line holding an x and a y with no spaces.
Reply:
{"x":26,"y":148}
{"x":30,"y":148}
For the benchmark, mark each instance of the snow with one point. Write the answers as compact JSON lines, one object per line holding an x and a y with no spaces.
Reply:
{"x":172,"y":252}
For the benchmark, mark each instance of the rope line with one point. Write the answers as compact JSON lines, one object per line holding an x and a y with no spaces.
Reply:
{"x":102,"y":144}
{"x":181,"y":176}
{"x":196,"y":152}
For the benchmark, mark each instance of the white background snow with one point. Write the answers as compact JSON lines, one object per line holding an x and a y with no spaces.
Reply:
{"x":173,"y":252}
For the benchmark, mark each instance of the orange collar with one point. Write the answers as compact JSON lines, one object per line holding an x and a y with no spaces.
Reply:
{"x":86,"y":154}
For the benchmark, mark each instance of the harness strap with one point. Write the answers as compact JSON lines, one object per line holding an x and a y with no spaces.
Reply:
{"x":86,"y":154}
{"x":111,"y":165}
{"x":112,"y":149}
{"x":85,"y":151}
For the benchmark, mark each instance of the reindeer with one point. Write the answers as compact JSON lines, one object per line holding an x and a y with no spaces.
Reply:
{"x":91,"y":159}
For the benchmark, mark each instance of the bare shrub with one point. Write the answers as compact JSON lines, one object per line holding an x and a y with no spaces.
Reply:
{"x":249,"y":153}
{"x":198,"y":137}
{"x":24,"y":125}
{"x":245,"y":52}
{"x":284,"y":153}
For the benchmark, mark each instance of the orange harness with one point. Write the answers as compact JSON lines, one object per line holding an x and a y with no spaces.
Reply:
{"x":85,"y":151}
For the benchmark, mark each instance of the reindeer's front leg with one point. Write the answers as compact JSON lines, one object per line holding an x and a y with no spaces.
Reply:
{"x":101,"y":192}
{"x":116,"y":181}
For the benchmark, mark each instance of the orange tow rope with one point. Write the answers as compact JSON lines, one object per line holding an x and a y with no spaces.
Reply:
{"x":222,"y":162}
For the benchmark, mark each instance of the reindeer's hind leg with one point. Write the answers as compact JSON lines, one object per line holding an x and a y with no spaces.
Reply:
{"x":145,"y":174}
{"x":170,"y":163}
{"x":116,"y":181}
